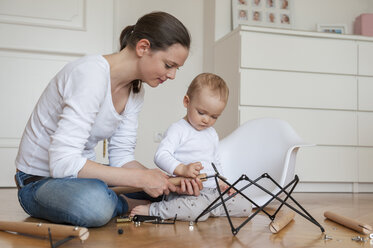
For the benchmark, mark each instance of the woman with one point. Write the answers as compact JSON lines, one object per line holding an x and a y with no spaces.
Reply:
{"x":91,"y":99}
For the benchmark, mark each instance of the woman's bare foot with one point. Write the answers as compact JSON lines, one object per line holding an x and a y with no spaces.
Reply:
{"x":140,"y":210}
{"x":134,"y":202}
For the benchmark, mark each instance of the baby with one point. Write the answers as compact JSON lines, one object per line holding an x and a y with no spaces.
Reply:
{"x":188,"y":149}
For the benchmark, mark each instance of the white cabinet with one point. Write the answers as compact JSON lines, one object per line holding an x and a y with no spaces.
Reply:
{"x":322,"y":84}
{"x":33,"y":48}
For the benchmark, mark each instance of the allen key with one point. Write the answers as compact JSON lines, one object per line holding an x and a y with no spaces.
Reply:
{"x":163,"y":222}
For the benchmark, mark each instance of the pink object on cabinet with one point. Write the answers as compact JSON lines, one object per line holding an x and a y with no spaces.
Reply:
{"x":364,"y":25}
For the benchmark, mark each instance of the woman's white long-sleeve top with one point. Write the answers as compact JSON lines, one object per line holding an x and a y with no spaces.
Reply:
{"x":74,"y":112}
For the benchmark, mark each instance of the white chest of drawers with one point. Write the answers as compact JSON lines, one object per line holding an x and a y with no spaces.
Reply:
{"x":322,"y":84}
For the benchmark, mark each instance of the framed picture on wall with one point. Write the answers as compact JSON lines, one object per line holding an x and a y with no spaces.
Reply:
{"x":332,"y":28}
{"x":270,"y":13}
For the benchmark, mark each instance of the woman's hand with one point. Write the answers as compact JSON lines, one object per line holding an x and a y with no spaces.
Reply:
{"x":189,"y":187}
{"x":156,"y":183}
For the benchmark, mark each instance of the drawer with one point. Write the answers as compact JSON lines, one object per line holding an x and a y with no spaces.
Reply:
{"x":294,"y":89}
{"x":365,"y":93}
{"x":365,"y":58}
{"x":365,"y":120}
{"x":297,"y":53}
{"x":327,"y":164}
{"x":365,"y":171}
{"x":324,"y":127}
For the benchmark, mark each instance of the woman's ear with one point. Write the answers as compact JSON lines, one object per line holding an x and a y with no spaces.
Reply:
{"x":186,"y":101}
{"x":142,"y":47}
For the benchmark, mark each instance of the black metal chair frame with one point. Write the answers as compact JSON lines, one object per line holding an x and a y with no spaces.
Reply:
{"x":290,"y":185}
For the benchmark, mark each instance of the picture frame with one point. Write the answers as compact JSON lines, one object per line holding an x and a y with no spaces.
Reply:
{"x":268,"y":13}
{"x":332,"y":28}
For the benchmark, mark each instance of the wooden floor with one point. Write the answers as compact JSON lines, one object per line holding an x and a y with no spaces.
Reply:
{"x":216,"y":231}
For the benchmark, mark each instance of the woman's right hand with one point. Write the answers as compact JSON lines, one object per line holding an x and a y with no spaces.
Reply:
{"x":156,"y":183}
{"x":190,"y":187}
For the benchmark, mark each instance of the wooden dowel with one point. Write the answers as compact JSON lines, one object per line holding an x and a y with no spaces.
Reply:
{"x":174,"y":180}
{"x":41,"y":229}
{"x":350,"y":223}
{"x":281,"y":220}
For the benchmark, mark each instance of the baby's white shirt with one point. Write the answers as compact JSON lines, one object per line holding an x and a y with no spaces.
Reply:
{"x":183,"y":144}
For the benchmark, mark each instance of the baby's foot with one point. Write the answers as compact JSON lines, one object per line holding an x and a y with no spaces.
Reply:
{"x":140,"y":210}
{"x":132,"y":203}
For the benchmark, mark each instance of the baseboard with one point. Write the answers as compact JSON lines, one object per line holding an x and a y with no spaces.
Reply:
{"x":334,"y":187}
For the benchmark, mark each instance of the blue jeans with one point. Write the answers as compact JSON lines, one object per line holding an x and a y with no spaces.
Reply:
{"x":75,"y":201}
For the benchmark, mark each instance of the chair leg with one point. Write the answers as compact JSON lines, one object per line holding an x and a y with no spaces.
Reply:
{"x":235,"y":230}
{"x":295,"y":181}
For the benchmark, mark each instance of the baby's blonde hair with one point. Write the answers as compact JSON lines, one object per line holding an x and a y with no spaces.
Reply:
{"x":210,"y":81}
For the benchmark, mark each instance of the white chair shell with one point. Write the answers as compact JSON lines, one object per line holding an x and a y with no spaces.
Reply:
{"x":260,"y":146}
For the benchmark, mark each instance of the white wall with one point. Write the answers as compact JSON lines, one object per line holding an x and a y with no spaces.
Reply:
{"x":207,"y":21}
{"x":208,"y":35}
{"x":163,"y":105}
{"x":306,"y":14}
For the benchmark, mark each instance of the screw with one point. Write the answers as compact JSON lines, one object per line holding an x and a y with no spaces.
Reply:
{"x":358,"y":239}
{"x":326,"y":237}
{"x":120,"y":231}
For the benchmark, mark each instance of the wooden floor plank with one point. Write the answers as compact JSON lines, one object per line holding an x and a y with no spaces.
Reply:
{"x":215,"y":232}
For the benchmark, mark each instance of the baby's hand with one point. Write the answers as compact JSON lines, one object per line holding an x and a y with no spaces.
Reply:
{"x":223,"y":187}
{"x":190,"y":170}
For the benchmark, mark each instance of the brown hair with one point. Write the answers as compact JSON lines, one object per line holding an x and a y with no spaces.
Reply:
{"x":211,"y":81}
{"x":161,"y":29}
